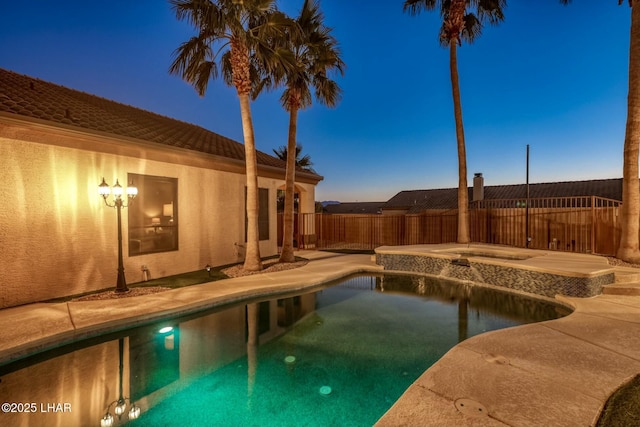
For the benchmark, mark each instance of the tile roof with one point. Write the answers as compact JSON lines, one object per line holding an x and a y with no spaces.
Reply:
{"x":35,"y":98}
{"x":447,"y":198}
{"x":354,"y":208}
{"x":443,"y":198}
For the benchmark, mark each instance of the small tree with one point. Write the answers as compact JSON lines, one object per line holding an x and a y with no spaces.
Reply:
{"x":303,"y":162}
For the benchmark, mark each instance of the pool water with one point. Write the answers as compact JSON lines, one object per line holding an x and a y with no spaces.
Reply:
{"x":340,"y":356}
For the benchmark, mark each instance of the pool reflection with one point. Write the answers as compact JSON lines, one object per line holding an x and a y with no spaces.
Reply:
{"x":470,"y":297}
{"x":152,"y":367}
{"x":87,"y":382}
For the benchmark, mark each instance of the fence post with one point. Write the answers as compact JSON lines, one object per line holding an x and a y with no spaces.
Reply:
{"x":593,"y":224}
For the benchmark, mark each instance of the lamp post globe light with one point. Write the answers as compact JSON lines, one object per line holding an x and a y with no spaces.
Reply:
{"x":118,"y":202}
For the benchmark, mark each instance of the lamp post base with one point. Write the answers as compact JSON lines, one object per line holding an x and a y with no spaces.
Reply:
{"x":121,"y":285}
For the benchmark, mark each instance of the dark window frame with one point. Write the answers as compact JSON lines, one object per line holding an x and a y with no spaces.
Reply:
{"x":263,"y":214}
{"x":153,"y":225}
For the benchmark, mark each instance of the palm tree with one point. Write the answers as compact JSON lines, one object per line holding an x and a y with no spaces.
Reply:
{"x":629,"y":248}
{"x":234,"y":36}
{"x":303,"y":162}
{"x":459,"y":24}
{"x":316,"y":54}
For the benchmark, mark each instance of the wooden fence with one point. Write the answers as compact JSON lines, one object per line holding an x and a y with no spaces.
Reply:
{"x":575,"y":224}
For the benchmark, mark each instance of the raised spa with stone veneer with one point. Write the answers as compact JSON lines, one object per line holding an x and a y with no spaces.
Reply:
{"x":544,"y":273}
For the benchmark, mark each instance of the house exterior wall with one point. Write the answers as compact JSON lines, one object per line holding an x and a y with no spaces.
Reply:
{"x":58,"y":238}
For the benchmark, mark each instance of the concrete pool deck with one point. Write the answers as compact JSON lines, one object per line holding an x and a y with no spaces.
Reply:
{"x":554,"y":373}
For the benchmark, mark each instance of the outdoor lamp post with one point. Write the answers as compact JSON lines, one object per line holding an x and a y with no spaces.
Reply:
{"x":121,"y":404}
{"x":104,"y":190}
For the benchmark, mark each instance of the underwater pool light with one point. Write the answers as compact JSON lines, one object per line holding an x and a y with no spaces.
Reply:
{"x":325,"y":390}
{"x":166,"y":329}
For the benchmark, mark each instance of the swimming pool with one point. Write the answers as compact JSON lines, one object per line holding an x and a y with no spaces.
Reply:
{"x":339,"y":356}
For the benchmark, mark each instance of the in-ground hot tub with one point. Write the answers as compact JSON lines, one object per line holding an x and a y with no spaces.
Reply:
{"x":542,"y":273}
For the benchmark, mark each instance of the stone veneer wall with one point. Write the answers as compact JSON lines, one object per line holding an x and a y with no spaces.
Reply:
{"x":534,"y":282}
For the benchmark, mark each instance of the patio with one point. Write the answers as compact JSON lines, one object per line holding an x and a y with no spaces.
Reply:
{"x":557,"y":373}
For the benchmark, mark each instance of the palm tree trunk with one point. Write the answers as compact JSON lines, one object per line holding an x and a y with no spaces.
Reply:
{"x":252,"y":260}
{"x":290,"y":177}
{"x":463,"y":192}
{"x":629,"y":246}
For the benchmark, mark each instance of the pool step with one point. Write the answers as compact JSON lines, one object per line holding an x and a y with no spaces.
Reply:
{"x":626,"y":275}
{"x":626,"y":288}
{"x":626,"y":282}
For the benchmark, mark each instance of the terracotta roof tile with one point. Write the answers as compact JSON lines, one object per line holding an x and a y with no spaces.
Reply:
{"x":31,"y":97}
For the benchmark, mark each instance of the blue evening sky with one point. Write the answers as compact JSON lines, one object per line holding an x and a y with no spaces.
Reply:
{"x":551,"y":76}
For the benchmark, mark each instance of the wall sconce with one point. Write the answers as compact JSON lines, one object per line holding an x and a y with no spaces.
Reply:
{"x":132,"y":191}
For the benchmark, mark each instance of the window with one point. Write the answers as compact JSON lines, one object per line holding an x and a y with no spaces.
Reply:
{"x":263,"y":214}
{"x":153,"y":215}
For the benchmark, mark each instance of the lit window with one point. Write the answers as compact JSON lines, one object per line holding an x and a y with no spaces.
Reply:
{"x":153,"y":216}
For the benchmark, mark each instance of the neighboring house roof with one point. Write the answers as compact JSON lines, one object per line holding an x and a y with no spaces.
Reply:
{"x":447,"y":198}
{"x":38,"y":99}
{"x":354,"y":208}
{"x":606,"y":188}
{"x":443,"y":198}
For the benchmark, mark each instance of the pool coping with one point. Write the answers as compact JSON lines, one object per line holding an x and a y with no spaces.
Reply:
{"x":554,"y":262}
{"x":44,"y":326}
{"x":554,"y":373}
{"x":558,"y":372}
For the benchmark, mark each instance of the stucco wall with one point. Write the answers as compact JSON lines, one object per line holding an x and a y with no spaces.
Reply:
{"x":58,"y":238}
{"x":82,"y":382}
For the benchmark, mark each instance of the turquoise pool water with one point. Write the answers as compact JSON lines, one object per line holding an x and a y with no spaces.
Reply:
{"x":340,"y":356}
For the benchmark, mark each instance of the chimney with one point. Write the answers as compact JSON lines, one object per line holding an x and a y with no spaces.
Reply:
{"x":478,"y":187}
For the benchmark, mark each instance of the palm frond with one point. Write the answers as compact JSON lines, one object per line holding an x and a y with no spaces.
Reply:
{"x":252,"y":24}
{"x":414,"y":7}
{"x":227,"y":68}
{"x":303,"y":162}
{"x":476,"y":13}
{"x":314,"y":55}
{"x":472,"y":28}
{"x":491,"y":11}
{"x":193,"y":62}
